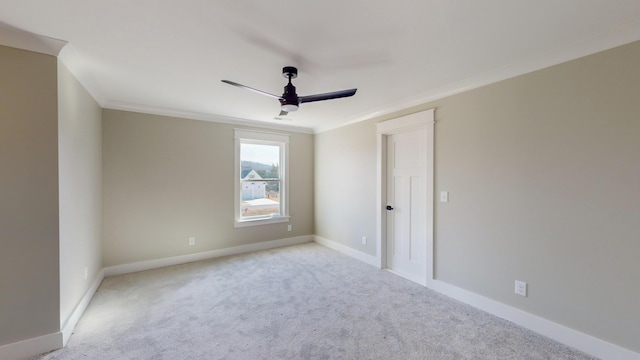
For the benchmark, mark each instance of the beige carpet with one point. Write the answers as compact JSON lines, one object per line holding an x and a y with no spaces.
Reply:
{"x":298,"y":302}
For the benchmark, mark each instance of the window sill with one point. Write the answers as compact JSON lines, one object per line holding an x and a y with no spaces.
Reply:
{"x":262,"y":221}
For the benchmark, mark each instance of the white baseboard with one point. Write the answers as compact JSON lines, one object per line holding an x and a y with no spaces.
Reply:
{"x":570,"y":337}
{"x":72,"y":321}
{"x":39,"y":345}
{"x":562,"y":334}
{"x":42,"y":344}
{"x":578,"y":340}
{"x":31,"y":347}
{"x":369,"y":259}
{"x":182,"y":259}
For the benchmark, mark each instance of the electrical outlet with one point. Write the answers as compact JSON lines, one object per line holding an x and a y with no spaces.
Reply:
{"x":364,"y":240}
{"x":192,"y":241}
{"x":288,"y":227}
{"x":521,"y":288}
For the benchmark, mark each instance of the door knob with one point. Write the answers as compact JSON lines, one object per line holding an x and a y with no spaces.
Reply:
{"x":389,"y":207}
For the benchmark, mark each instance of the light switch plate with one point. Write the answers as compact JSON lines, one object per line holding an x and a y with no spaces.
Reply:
{"x":444,"y":196}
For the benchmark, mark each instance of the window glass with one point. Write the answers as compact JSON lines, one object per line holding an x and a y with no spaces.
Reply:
{"x":260,"y":180}
{"x":261,"y":177}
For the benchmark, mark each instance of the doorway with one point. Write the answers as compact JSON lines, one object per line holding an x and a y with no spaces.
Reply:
{"x":405,"y":187}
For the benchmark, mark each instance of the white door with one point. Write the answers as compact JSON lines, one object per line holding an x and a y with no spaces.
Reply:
{"x":407,"y":213}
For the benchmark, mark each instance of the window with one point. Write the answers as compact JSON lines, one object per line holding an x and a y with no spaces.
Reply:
{"x":260,"y":177}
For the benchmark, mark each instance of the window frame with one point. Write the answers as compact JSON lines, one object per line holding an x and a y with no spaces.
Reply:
{"x":247,"y":136}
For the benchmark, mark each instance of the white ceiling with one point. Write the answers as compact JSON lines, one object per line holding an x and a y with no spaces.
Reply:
{"x":168,"y":56}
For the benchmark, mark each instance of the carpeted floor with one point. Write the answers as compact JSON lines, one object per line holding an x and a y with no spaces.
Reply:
{"x":298,"y":302}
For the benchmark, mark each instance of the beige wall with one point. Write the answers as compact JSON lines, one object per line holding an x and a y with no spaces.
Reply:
{"x":543,"y":173}
{"x":345,"y":182}
{"x":29,"y":287}
{"x":80,"y":169}
{"x":166,"y":179}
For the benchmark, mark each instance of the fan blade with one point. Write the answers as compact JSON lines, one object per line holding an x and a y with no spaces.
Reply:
{"x":283,"y":113}
{"x":250,"y":88}
{"x":327,"y":96}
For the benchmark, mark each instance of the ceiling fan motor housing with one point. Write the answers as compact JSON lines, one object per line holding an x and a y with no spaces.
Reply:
{"x":289,"y":100}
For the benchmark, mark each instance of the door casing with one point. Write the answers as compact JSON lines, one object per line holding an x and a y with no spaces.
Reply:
{"x":420,"y":120}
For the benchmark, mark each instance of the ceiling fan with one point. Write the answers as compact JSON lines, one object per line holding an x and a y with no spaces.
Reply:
{"x":290,"y":101}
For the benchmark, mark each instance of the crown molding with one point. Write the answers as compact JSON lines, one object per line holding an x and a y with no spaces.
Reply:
{"x":593,"y":44}
{"x":20,"y":39}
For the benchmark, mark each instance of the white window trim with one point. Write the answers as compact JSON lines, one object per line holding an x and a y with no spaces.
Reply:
{"x":257,"y":136}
